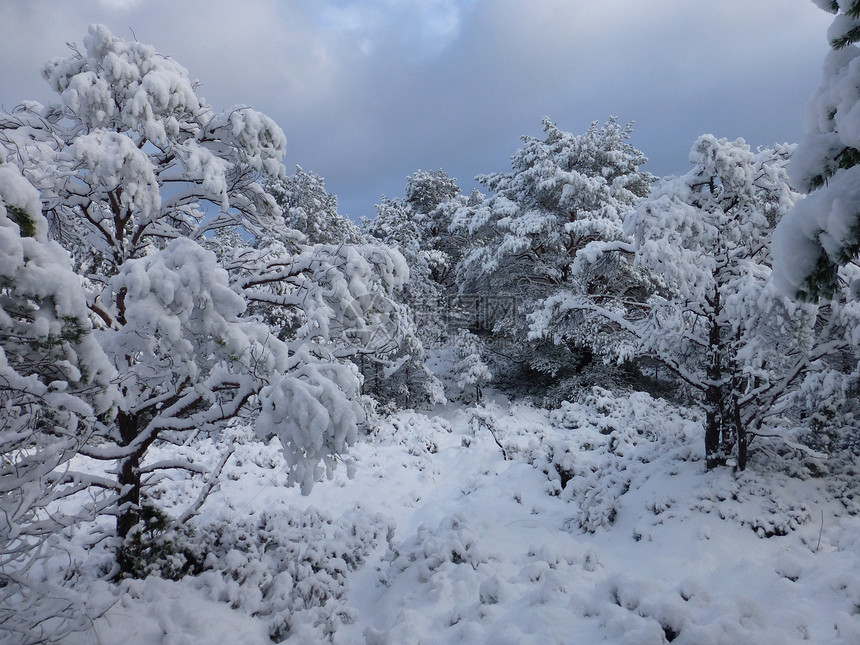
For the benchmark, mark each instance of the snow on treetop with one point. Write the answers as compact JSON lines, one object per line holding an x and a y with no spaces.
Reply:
{"x":125,"y":85}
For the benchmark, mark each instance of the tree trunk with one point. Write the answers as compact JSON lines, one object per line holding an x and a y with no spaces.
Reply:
{"x":714,"y":405}
{"x":128,"y":515}
{"x":713,"y":427}
{"x":743,"y":444}
{"x":740,"y":435}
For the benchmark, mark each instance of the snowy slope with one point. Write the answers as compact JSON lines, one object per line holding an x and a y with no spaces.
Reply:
{"x":507,"y":523}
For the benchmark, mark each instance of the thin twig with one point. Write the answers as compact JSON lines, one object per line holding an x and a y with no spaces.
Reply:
{"x":820,"y":532}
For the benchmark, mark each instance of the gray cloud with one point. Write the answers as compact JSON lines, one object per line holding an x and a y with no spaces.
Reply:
{"x":369,"y":91}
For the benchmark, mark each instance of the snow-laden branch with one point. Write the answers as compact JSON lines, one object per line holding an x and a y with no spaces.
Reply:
{"x":208,"y":487}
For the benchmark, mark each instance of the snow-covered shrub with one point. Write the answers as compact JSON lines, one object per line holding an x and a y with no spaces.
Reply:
{"x":758,"y":505}
{"x":827,"y":404}
{"x":607,"y":446}
{"x":621,"y":379}
{"x":632,"y":611}
{"x":604,"y":444}
{"x":163,"y":547}
{"x":431,"y":549}
{"x":418,"y":432}
{"x":843,"y":481}
{"x":291,"y":566}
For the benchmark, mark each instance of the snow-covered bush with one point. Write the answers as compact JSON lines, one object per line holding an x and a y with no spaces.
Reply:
{"x":418,"y":433}
{"x":291,"y":566}
{"x":431,"y":549}
{"x":827,"y":403}
{"x":608,"y":439}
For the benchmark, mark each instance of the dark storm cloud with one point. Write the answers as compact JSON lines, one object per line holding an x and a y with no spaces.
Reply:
{"x":369,"y":91}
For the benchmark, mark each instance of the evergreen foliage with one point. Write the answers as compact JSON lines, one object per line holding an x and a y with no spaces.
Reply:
{"x":822,"y":233}
{"x":470,"y":368}
{"x":309,"y":208}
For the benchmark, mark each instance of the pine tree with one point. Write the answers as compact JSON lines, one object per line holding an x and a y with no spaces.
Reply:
{"x":822,"y":232}
{"x":563,"y":192}
{"x":716,"y":320}
{"x":310,"y":209}
{"x":136,"y":173}
{"x":417,"y":225}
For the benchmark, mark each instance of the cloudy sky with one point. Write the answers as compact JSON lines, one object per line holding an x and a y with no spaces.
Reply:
{"x":368,"y":91}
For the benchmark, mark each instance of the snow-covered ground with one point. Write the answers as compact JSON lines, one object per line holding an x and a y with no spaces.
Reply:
{"x":506,"y":523}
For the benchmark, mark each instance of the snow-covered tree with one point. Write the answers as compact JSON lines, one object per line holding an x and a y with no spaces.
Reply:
{"x":816,"y":244}
{"x":722,"y":325}
{"x":416,"y":225}
{"x":433,"y":198}
{"x":309,"y":208}
{"x":717,"y":320}
{"x":470,"y":368}
{"x":822,"y":232}
{"x":563,"y":192}
{"x":136,"y":172}
{"x":54,"y":382}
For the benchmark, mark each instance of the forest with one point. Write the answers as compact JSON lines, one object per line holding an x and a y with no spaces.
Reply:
{"x":586,"y":404}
